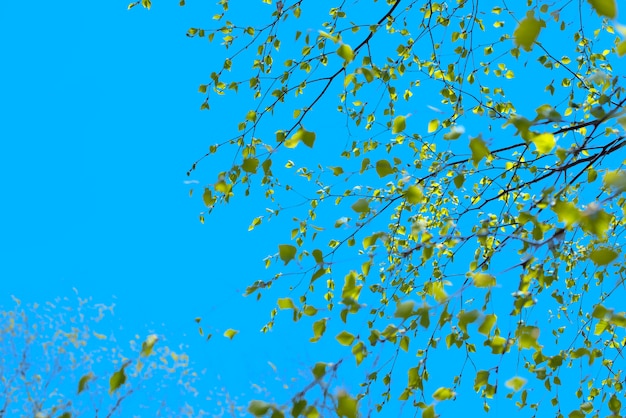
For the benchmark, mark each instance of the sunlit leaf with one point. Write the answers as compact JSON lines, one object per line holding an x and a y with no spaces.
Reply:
{"x":286,"y":252}
{"x":443,"y":394}
{"x":230,"y":333}
{"x":528,"y":30}
{"x":399,"y":124}
{"x":433,"y":125}
{"x":148,"y":345}
{"x":83,"y":382}
{"x":347,"y":406}
{"x":516,"y":383}
{"x":250,"y":165}
{"x":258,"y":408}
{"x":345,"y":338}
{"x":345,"y":52}
{"x":404,"y":309}
{"x":118,"y":378}
{"x":544,"y":143}
{"x":606,"y":8}
{"x":361,"y":206}
{"x":484,"y":280}
{"x":603,"y":256}
{"x":414,"y":194}
{"x":383,"y":168}
{"x":479,"y":150}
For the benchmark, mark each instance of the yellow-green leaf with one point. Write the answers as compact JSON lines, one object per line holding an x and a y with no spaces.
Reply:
{"x":414,"y":194}
{"x":258,"y":408}
{"x":527,"y":31}
{"x":404,"y":309}
{"x":479,"y":150}
{"x":484,"y":280}
{"x":603,"y":256}
{"x":361,"y":206}
{"x":399,"y":124}
{"x":286,"y":303}
{"x":347,"y":406}
{"x":515,"y":383}
{"x":230,"y":333}
{"x":286,"y":252}
{"x":148,"y":345}
{"x":250,"y":165}
{"x":251,"y":116}
{"x":443,"y":394}
{"x":607,"y":8}
{"x":345,"y":52}
{"x":488,"y":323}
{"x":82,"y":383}
{"x":118,"y":378}
{"x":345,"y":338}
{"x":544,"y":143}
{"x":433,"y":125}
{"x":383,"y":168}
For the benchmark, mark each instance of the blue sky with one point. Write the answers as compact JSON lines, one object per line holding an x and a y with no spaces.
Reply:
{"x":100,"y":122}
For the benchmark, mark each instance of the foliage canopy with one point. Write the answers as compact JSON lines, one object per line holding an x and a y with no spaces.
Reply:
{"x":454,"y":173}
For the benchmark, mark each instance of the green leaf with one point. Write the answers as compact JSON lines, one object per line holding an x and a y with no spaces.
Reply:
{"x":544,"y":143}
{"x":399,"y":124}
{"x":615,"y":405}
{"x":603,"y":256}
{"x":595,"y":220}
{"x":428,"y":412}
{"x":466,"y":318}
{"x":301,"y":135}
{"x":528,"y":30}
{"x":361,"y":206}
{"x":347,"y":406}
{"x":118,"y":378}
{"x":230,"y":333}
{"x":479,"y":149}
{"x":527,"y":337}
{"x":258,"y":408}
{"x":286,"y":303}
{"x":443,"y":394}
{"x":207,"y":197}
{"x":515,"y":383}
{"x":286,"y":252}
{"x":319,"y":370}
{"x":345,"y":338}
{"x":433,"y":125}
{"x":566,"y":212}
{"x":337,"y":171}
{"x":148,"y":345}
{"x":319,"y":327}
{"x":414,"y":195}
{"x":621,"y":49}
{"x":146,"y":4}
{"x":250,"y":116}
{"x":82,"y":383}
{"x":383,"y":168}
{"x":455,"y":133}
{"x":484,"y":280}
{"x":459,"y":179}
{"x":488,"y":323}
{"x":615,"y":180}
{"x":404,"y":309}
{"x":250,"y":165}
{"x":482,"y":379}
{"x":606,"y":8}
{"x":345,"y":52}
